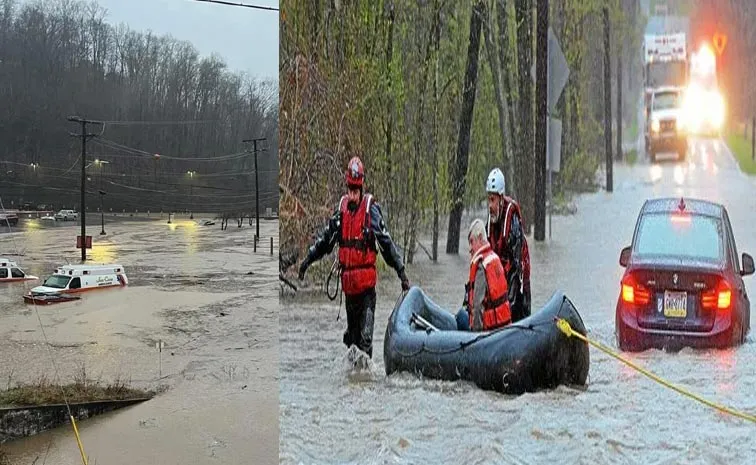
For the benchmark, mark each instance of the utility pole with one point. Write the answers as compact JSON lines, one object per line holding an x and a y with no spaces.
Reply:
{"x":607,"y":104}
{"x":257,"y":189}
{"x":82,"y":211}
{"x":542,"y":54}
{"x":191,"y":192}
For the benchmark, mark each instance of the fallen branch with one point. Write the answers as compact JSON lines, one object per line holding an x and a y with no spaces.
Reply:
{"x":420,"y":244}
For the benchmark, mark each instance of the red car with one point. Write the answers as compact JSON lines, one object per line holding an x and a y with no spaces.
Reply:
{"x":683,"y":283}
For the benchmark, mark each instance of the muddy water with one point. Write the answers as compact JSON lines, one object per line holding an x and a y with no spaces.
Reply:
{"x":330,"y":415}
{"x":190,"y":288}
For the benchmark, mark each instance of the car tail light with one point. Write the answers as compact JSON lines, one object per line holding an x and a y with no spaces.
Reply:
{"x":719,"y":297}
{"x":633,"y":292}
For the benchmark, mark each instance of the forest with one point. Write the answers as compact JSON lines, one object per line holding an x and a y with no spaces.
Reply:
{"x":174,"y":121}
{"x":398,"y":82}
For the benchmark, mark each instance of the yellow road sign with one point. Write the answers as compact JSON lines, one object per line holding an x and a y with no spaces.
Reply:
{"x":720,"y":40}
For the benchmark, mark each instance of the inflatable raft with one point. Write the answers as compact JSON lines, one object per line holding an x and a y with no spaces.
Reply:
{"x":532,"y":354}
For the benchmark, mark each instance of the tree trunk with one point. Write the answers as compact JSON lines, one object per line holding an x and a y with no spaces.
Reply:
{"x":501,"y":105}
{"x":524,"y":162}
{"x":607,"y":102}
{"x":419,"y":137}
{"x":459,"y":173}
{"x":390,"y":114}
{"x":620,"y":153}
{"x":506,"y":69}
{"x":434,"y":138}
{"x":539,"y":212}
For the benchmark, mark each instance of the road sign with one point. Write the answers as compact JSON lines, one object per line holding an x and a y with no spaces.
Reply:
{"x":558,"y":72}
{"x":720,"y":41}
{"x":88,"y":242}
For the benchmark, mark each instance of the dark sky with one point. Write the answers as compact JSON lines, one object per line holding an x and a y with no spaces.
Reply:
{"x":246,"y":38}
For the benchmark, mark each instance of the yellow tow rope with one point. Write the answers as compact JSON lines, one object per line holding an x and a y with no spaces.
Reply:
{"x":565,"y":327}
{"x":78,"y":441}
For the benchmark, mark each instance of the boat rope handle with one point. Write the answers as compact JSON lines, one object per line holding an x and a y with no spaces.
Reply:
{"x":565,"y":327}
{"x":335,"y":270}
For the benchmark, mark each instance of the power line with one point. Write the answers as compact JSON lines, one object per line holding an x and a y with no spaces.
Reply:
{"x":221,"y":2}
{"x":157,"y":123}
{"x":115,"y":145}
{"x":250,"y":203}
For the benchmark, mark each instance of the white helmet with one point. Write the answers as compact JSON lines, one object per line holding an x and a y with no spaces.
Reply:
{"x":495,"y":183}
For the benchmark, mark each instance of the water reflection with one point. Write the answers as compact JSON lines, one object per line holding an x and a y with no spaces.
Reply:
{"x":190,"y":234}
{"x":655,"y":172}
{"x":103,"y":252}
{"x":679,"y":174}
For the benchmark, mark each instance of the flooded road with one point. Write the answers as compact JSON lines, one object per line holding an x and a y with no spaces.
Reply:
{"x":329,"y":416}
{"x":200,"y":290}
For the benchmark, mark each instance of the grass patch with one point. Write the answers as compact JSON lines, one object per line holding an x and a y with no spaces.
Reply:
{"x":44,"y":392}
{"x":741,"y":148}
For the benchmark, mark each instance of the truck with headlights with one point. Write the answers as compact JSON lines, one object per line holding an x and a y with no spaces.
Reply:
{"x":666,"y":123}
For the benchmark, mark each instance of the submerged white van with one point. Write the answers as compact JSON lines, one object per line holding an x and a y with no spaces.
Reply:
{"x":80,"y":278}
{"x":10,"y":272}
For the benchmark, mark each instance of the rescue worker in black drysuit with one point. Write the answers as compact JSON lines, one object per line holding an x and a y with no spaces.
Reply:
{"x":357,"y":226}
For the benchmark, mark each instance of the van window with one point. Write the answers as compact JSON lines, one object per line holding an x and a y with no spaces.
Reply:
{"x":3,"y":272}
{"x":75,"y":283}
{"x":56,"y":281}
{"x":16,"y":273}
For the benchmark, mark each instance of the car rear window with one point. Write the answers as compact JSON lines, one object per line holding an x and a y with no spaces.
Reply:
{"x":671,"y":235}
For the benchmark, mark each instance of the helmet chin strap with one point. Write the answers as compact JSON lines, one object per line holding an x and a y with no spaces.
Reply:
{"x":498,"y":213}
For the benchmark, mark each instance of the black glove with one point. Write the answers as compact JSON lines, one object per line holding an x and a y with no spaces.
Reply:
{"x":405,"y":281}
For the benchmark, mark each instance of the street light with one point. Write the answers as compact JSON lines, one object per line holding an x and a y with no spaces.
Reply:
{"x":191,"y":191}
{"x":99,"y":163}
{"x":102,"y":212}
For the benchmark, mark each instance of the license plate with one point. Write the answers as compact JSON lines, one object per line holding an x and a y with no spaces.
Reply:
{"x":675,"y":304}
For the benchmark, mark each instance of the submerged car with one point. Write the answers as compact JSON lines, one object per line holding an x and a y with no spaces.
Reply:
{"x":683,"y":283}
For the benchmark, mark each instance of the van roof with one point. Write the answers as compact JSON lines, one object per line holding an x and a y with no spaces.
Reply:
{"x":91,"y":267}
{"x":80,"y":269}
{"x":7,"y":262}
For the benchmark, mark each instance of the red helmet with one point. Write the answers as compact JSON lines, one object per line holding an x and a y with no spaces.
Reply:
{"x":355,"y":173}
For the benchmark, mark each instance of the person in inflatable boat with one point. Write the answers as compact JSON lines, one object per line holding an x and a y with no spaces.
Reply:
{"x":358,"y":227}
{"x":504,"y":232}
{"x":487,"y":304}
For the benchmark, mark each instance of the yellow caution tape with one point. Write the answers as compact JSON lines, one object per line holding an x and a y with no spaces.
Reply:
{"x":78,"y":441}
{"x":565,"y":327}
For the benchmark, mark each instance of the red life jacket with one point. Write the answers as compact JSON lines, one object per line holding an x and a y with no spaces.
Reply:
{"x":498,"y":235}
{"x":496,"y":311}
{"x":357,"y":252}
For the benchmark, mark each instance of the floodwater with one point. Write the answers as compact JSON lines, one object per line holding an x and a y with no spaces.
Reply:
{"x":329,"y":415}
{"x":203,"y":292}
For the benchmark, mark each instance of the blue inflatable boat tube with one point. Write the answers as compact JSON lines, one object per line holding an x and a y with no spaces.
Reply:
{"x":526,"y":356}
